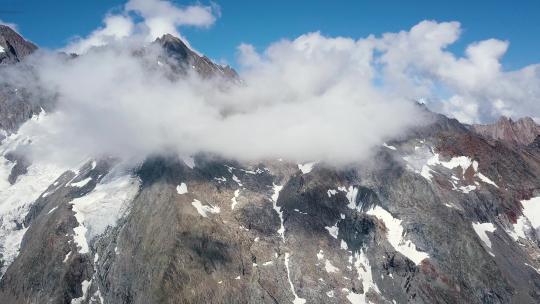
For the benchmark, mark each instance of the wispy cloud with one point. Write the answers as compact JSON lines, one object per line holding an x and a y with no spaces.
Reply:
{"x":145,"y":20}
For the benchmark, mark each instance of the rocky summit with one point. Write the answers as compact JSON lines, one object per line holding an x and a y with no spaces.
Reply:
{"x":522,"y":131}
{"x":444,"y":214}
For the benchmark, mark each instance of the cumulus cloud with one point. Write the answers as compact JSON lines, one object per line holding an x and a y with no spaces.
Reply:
{"x":145,"y":20}
{"x":473,"y":88}
{"x":311,"y":98}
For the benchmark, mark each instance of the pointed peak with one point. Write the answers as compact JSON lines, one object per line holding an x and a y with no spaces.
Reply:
{"x":14,"y":46}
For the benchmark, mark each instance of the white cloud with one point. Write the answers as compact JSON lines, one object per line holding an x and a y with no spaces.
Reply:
{"x":162,"y":17}
{"x":416,"y":63}
{"x":157,"y":17}
{"x":116,"y":27}
{"x":308,"y":99}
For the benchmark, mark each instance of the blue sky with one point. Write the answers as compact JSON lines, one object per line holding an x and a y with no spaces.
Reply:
{"x":52,"y":23}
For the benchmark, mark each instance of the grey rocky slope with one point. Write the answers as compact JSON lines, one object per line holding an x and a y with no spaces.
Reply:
{"x":13,"y":47}
{"x":442,"y":215}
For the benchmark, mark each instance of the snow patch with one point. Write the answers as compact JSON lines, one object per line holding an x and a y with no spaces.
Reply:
{"x":233,"y":200}
{"x":81,"y":183}
{"x":334,"y":230}
{"x":16,"y":199}
{"x":203,"y":210}
{"x":102,"y":207}
{"x":237,"y":180}
{"x":84,"y":286}
{"x":182,"y":188}
{"x":297,"y":300}
{"x":329,"y":267}
{"x":306,"y":168}
{"x":395,"y":233}
{"x":363,"y":269}
{"x":275,"y":196}
{"x":189,"y":161}
{"x":481,"y":230}
{"x":389,"y":147}
{"x":331,"y":192}
{"x":531,"y":209}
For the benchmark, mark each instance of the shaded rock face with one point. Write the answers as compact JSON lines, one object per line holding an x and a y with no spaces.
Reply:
{"x":13,"y":47}
{"x":522,"y":131}
{"x":184,"y":59}
{"x":441,"y":215}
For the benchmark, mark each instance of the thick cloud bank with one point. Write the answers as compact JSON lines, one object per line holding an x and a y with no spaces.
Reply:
{"x":307,"y":99}
{"x":312,"y":98}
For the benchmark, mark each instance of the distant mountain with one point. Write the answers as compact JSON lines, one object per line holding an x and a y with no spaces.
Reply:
{"x":13,"y":47}
{"x":522,"y":131}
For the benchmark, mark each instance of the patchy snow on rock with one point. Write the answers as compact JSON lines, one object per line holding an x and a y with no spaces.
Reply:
{"x":233,"y":200}
{"x":424,"y":161}
{"x":81,"y":183}
{"x":395,"y":235}
{"x":330,"y":294}
{"x":467,"y":189}
{"x":486,"y":180}
{"x":351,"y":194}
{"x":297,"y":300}
{"x":531,"y":209}
{"x":520,"y":228}
{"x":220,"y":179}
{"x":306,"y":168}
{"x":275,"y":196}
{"x":481,"y":230}
{"x":182,"y":188}
{"x":363,"y":269}
{"x":66,"y":258}
{"x":329,"y":267}
{"x":16,"y":199}
{"x":237,"y":180}
{"x":189,"y":161}
{"x":331,"y":192}
{"x":389,"y":147}
{"x":103,"y":206}
{"x":2,"y":50}
{"x":52,"y":210}
{"x":320,"y":255}
{"x":203,"y":210}
{"x":333,"y":230}
{"x":343,"y":245}
{"x":84,"y":286}
{"x":355,"y":298}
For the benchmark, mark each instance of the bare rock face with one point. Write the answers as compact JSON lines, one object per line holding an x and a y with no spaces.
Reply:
{"x":13,"y":47}
{"x":523,"y":131}
{"x":186,"y":59}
